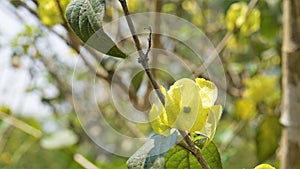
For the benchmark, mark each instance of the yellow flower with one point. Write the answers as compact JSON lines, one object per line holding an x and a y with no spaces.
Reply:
{"x":264,"y":166}
{"x":262,"y":88}
{"x":237,"y":18}
{"x":189,"y":107}
{"x":245,"y":109}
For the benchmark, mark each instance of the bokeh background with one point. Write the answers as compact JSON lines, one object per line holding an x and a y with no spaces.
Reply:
{"x":39,"y":127}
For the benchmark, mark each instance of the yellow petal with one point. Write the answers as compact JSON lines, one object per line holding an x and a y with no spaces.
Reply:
{"x":260,"y":87}
{"x":201,"y":120}
{"x":245,"y":109}
{"x":209,"y":130}
{"x":208,"y":92}
{"x":158,"y":120}
{"x":264,"y":166}
{"x":189,"y":104}
{"x":173,"y":104}
{"x":185,"y":109}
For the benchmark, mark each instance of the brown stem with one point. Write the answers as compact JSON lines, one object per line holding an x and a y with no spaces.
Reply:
{"x":194,"y":150}
{"x":143,"y":59}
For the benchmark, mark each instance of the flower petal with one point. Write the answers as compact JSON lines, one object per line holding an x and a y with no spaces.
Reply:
{"x":208,"y":92}
{"x":189,"y":104}
{"x":173,"y":104}
{"x":158,"y":120}
{"x":201,"y":119}
{"x":214,"y":115}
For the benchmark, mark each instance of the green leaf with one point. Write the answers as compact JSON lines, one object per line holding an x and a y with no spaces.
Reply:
{"x":180,"y":158}
{"x":137,"y":81}
{"x":85,"y":18}
{"x":268,"y":137}
{"x":152,"y":153}
{"x":269,"y":20}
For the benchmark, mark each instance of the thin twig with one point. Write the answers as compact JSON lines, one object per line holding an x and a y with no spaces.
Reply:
{"x":13,"y":121}
{"x":142,"y":57}
{"x":81,"y":160}
{"x":194,"y":150}
{"x":149,"y":41}
{"x":133,"y":32}
{"x":144,"y":61}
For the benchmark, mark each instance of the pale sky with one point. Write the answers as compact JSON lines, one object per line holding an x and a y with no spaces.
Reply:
{"x":13,"y":82}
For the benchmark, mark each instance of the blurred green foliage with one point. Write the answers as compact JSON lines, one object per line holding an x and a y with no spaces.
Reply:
{"x":249,"y":131}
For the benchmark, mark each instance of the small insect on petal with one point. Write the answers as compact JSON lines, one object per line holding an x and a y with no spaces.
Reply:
{"x":186,"y":109}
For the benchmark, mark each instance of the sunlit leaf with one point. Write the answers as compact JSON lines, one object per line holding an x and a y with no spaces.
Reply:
{"x":137,"y":81}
